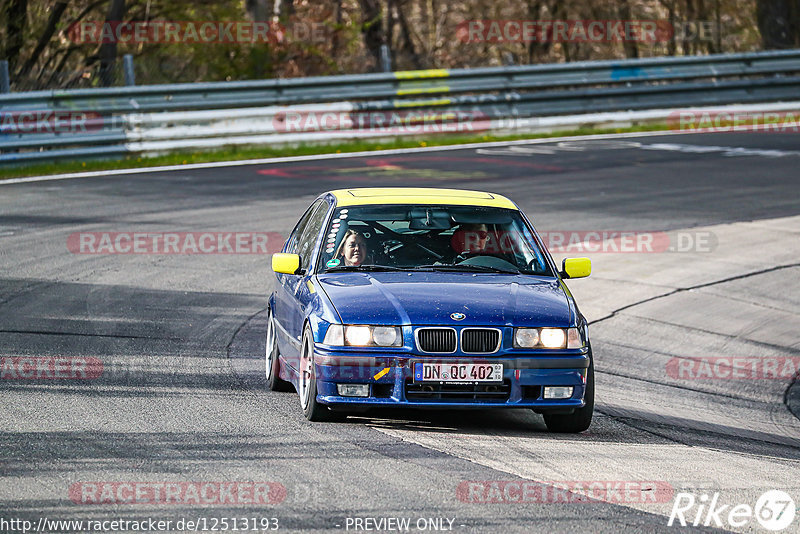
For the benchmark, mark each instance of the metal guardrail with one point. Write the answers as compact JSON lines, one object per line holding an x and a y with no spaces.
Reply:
{"x":160,"y":118}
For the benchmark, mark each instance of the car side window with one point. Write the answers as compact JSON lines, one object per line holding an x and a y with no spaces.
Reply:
{"x":308,"y":237}
{"x":294,"y":239}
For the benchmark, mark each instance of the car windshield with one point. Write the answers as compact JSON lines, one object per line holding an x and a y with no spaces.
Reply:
{"x":444,"y":238}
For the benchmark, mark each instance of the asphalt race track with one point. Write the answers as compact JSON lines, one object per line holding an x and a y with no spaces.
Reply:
{"x":175,"y":344}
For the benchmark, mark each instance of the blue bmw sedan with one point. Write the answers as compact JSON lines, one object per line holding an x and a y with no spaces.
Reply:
{"x":427,"y":298}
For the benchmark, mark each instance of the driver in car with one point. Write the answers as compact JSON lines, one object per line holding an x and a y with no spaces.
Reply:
{"x":470,"y":239}
{"x":475,"y":239}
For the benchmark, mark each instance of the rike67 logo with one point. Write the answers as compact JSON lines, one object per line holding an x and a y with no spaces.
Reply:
{"x":774,"y":510}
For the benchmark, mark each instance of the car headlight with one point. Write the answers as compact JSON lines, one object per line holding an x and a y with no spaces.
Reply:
{"x":548,"y":338}
{"x":574,"y":339}
{"x":363,"y":336}
{"x":334,"y":337}
{"x":386,"y":336}
{"x":552,"y":338}
{"x":358,"y":336}
{"x":526,"y":337}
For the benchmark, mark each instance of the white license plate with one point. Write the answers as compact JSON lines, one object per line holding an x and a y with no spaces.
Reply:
{"x":458,"y":372}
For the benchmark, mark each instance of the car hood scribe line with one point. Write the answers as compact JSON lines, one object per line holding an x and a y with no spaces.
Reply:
{"x":397,"y":298}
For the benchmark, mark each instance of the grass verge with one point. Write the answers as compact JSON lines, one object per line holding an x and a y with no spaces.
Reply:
{"x":257,"y":152}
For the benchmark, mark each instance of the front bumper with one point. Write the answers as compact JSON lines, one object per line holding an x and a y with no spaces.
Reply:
{"x":391,"y":380}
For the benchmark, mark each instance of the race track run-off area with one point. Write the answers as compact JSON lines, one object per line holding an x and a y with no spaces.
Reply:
{"x":148,"y":399}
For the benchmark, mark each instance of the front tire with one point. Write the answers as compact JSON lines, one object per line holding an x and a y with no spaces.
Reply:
{"x":271,"y":361}
{"x":581,"y":418}
{"x":307,"y":383}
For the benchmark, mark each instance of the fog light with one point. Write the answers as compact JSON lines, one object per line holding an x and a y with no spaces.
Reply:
{"x":354,"y":390}
{"x":558,"y":392}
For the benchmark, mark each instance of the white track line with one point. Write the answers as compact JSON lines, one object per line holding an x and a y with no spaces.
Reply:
{"x":314,"y":157}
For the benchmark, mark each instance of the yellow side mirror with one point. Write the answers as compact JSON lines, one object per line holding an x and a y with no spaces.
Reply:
{"x":285,"y":263}
{"x":576,"y":267}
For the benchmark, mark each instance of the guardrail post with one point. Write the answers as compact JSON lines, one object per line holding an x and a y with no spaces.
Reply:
{"x":5,"y":79}
{"x":386,"y":59}
{"x":127,"y":68}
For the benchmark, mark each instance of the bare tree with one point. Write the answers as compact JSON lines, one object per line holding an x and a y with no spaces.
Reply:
{"x":44,"y":38}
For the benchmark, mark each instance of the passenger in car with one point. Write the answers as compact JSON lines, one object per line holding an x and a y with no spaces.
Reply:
{"x":352,"y":250}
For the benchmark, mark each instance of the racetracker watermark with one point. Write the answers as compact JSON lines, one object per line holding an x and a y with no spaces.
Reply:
{"x":735,"y":121}
{"x":161,"y":31}
{"x":632,"y":242}
{"x":581,"y":241}
{"x":564,"y":491}
{"x":205,"y":492}
{"x":49,"y":121}
{"x":198,"y":32}
{"x":49,"y":368}
{"x":180,"y":243}
{"x":584,"y":31}
{"x":774,"y":510}
{"x":389,"y":122}
{"x":384,"y":370}
{"x":734,"y":368}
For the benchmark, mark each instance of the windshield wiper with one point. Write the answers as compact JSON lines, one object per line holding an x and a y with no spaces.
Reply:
{"x":363,"y":267}
{"x":466,"y":268}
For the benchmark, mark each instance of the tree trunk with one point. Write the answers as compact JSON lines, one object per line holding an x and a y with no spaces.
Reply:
{"x":408,"y":43}
{"x":108,"y":51}
{"x":778,"y":22}
{"x":702,"y":15}
{"x":691,"y":16}
{"x":672,"y":46}
{"x":16,"y":14}
{"x":391,"y":20}
{"x":337,"y":29}
{"x":537,"y":50}
{"x":631,"y":48}
{"x":260,"y":51}
{"x":372,"y":29}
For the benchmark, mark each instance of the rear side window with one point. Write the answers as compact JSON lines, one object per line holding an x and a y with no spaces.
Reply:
{"x":294,"y":239}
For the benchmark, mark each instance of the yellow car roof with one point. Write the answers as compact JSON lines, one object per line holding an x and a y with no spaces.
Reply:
{"x":419,"y":195}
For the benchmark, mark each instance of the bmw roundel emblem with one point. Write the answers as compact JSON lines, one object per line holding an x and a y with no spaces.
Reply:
{"x":457,"y":316}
